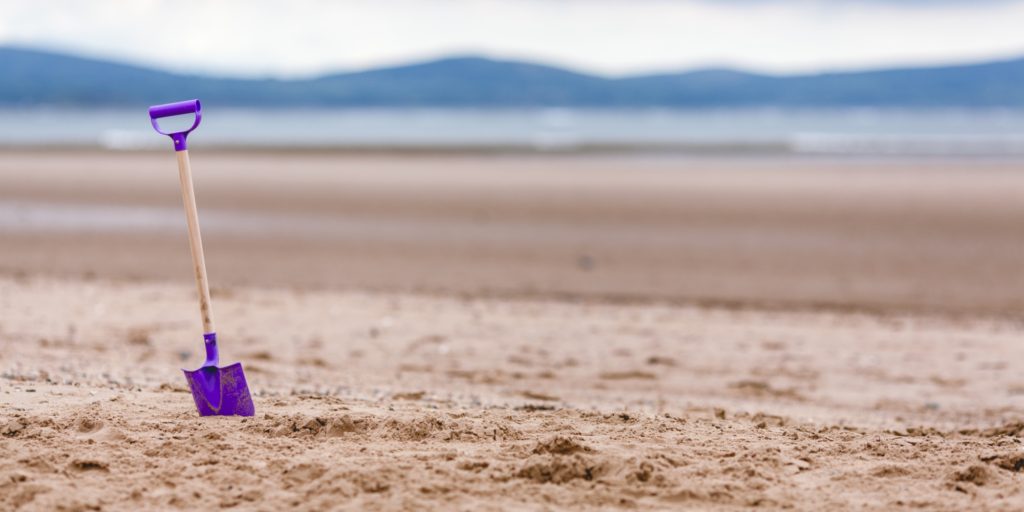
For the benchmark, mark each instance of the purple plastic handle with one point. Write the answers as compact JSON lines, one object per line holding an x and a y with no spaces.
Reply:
{"x":176,"y":109}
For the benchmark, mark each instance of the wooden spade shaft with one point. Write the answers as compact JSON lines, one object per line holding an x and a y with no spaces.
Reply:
{"x":195,"y":240}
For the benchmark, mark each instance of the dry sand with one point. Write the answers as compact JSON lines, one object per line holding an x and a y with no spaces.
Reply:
{"x":505,"y":334}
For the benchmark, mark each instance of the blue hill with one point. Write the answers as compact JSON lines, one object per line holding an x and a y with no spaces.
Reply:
{"x":32,"y":77}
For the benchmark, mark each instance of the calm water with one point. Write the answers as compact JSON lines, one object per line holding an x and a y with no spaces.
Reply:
{"x":849,"y":131}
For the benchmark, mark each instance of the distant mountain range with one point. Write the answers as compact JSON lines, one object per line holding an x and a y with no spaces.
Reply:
{"x":31,"y":77}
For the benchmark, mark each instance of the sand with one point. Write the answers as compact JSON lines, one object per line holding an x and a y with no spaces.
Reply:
{"x":487,"y":336}
{"x":909,"y":235}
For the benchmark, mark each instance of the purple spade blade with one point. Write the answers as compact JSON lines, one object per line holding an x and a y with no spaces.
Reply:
{"x":220,"y":391}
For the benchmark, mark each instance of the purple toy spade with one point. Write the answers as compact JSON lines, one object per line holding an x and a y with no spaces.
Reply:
{"x":216,"y":390}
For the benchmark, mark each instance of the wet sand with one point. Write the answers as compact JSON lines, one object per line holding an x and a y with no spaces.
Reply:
{"x":515,"y":332}
{"x":788,"y":232}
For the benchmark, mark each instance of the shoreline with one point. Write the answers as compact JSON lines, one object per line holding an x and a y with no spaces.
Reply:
{"x":741,"y":153}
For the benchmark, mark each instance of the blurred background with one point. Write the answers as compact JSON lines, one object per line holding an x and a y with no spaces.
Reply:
{"x":804,"y":153}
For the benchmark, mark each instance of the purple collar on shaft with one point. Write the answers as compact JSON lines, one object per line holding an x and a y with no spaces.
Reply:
{"x":212,"y":356}
{"x":176,"y":109}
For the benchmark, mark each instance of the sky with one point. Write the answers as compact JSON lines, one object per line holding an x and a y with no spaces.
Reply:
{"x":297,"y":38}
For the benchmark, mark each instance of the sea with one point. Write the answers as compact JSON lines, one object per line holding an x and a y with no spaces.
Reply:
{"x":751,"y":131}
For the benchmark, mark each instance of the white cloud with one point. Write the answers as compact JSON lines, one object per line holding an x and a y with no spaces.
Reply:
{"x":298,"y":37}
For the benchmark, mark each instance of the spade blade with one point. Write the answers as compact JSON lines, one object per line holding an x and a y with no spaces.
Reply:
{"x":220,"y":391}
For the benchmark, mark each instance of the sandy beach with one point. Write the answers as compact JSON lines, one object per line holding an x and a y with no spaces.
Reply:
{"x":496,"y":332}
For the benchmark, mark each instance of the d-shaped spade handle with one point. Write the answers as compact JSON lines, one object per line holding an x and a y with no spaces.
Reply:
{"x":176,"y":109}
